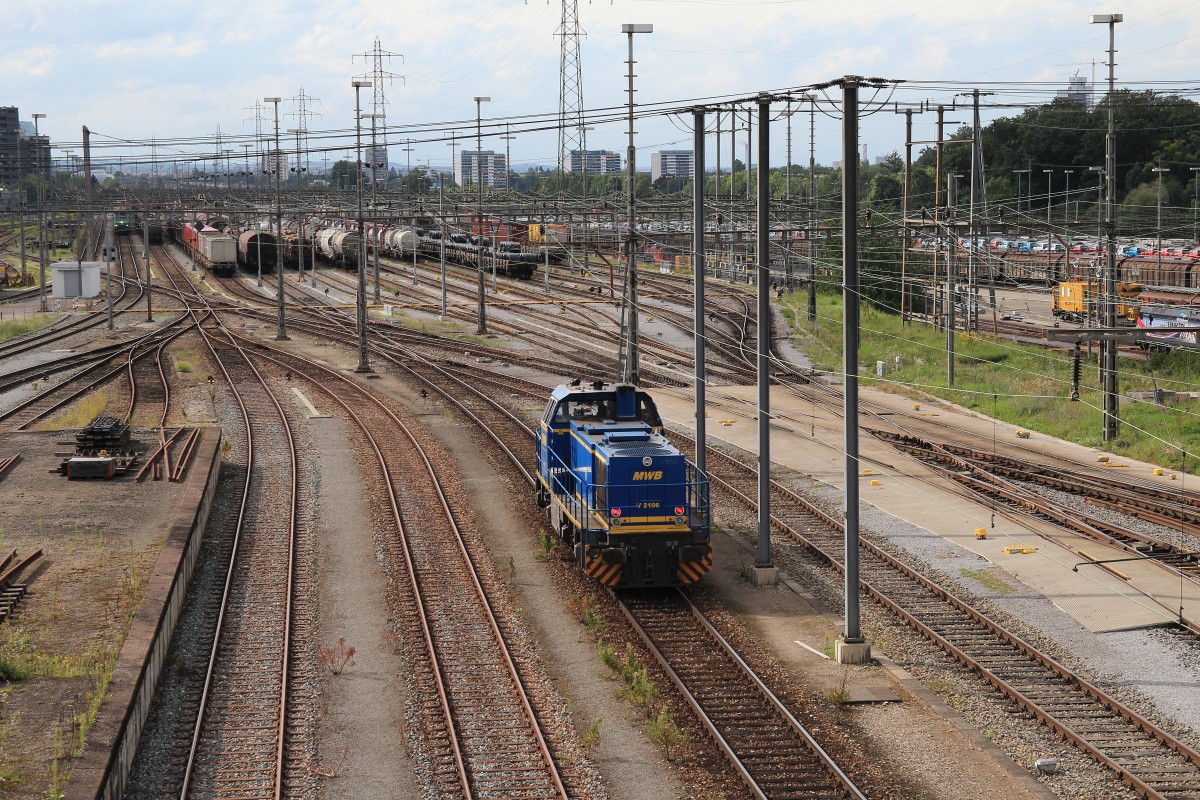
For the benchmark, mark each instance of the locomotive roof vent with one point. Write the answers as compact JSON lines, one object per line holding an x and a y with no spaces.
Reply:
{"x":616,"y":437}
{"x":640,"y":449}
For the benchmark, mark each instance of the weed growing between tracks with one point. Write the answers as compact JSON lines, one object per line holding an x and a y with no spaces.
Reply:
{"x":1021,"y":384}
{"x":336,"y":659}
{"x":988,"y":579}
{"x":78,"y":414}
{"x":548,"y":545}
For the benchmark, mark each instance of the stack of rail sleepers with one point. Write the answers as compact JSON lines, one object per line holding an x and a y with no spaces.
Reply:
{"x":103,"y":433}
{"x":10,"y":591}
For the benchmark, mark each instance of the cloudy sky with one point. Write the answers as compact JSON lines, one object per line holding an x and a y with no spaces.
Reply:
{"x":177,"y":72}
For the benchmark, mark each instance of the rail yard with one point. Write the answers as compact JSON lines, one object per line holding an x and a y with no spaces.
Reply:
{"x":833,"y":438}
{"x":375,"y":600}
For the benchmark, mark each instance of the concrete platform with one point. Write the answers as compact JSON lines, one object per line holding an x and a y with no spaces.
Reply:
{"x":808,"y":440}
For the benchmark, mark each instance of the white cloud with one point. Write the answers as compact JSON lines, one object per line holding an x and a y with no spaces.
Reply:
{"x":186,"y":68}
{"x":163,"y":46}
{"x":32,"y":62}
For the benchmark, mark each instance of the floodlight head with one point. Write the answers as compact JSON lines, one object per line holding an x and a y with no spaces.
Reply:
{"x":360,"y":84}
{"x":483,"y":99}
{"x":637,"y":27}
{"x":272,"y":99}
{"x":1105,"y":19}
{"x":38,"y":116}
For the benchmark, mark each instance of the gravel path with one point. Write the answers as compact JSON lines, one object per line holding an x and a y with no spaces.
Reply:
{"x":352,"y":605}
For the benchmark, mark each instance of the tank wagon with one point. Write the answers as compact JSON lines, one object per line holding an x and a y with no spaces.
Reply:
{"x":633,"y":509}
{"x":338,"y":246}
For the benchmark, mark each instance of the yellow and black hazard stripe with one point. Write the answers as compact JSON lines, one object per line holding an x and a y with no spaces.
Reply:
{"x":607,"y":574}
{"x":692,"y":571}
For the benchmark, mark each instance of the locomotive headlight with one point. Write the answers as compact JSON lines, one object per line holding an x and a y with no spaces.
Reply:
{"x":647,"y":461}
{"x":680,"y":521}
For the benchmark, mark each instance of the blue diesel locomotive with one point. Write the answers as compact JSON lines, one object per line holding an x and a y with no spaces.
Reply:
{"x":632,"y":507}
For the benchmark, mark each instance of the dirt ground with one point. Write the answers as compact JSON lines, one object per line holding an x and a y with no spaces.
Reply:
{"x":101,"y":541}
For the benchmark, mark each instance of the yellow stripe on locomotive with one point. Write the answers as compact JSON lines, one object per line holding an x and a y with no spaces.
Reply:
{"x":633,"y":509}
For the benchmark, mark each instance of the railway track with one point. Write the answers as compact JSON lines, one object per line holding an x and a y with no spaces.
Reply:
{"x":480,"y":725}
{"x":766,"y":745}
{"x":237,"y":746}
{"x":484,"y":737}
{"x":90,"y":378}
{"x":68,"y":326}
{"x":1142,"y":755}
{"x":995,"y":476}
{"x":772,"y":752}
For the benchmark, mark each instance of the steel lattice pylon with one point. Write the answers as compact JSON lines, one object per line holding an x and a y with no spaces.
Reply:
{"x":571,"y":135}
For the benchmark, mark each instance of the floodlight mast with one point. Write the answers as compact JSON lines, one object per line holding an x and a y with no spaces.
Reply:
{"x":628,"y":355}
{"x":1108,"y":348}
{"x":364,"y":364}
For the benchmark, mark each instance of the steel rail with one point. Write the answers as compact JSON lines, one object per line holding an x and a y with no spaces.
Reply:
{"x":235,"y":554}
{"x":829,"y":767}
{"x":409,"y":559}
{"x":1083,"y":686}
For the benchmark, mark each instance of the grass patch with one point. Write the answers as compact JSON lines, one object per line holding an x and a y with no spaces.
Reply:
{"x":1020,"y":384}
{"x":663,"y":731}
{"x":21,"y":660}
{"x":548,"y":544}
{"x":591,"y":737}
{"x":78,"y":414}
{"x":12,"y":328}
{"x":989,"y":580}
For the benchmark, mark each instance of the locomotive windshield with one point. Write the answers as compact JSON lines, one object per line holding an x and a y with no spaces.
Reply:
{"x":601,"y":407}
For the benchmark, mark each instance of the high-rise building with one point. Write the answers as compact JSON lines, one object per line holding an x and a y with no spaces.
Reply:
{"x":671,"y":164}
{"x":275,"y":161}
{"x":598,"y":162}
{"x":495,"y":169}
{"x":376,"y":165}
{"x":22,"y":152}
{"x":10,"y":143}
{"x":1079,"y":89}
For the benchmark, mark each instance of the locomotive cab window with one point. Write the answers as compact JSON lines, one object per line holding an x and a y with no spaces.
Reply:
{"x":648,"y":414}
{"x":592,"y":409}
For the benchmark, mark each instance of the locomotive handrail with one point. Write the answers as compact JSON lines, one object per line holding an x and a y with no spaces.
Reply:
{"x":582,"y":504}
